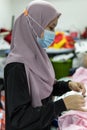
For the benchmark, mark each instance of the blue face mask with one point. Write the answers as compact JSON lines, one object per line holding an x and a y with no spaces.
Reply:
{"x":47,"y":40}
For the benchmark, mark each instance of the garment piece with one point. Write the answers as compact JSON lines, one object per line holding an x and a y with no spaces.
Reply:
{"x":19,"y":110}
{"x":80,"y":75}
{"x":75,"y":119}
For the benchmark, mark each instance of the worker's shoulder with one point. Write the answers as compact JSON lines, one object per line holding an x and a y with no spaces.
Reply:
{"x":14,"y":66}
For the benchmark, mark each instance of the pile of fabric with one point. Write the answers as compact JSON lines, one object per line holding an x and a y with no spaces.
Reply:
{"x":62,"y":41}
{"x":72,"y":119}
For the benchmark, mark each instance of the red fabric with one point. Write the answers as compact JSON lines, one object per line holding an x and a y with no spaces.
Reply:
{"x":8,"y":38}
{"x":3,"y":30}
{"x":2,"y":112}
{"x":84,"y":35}
{"x":70,"y":42}
{"x":58,"y":37}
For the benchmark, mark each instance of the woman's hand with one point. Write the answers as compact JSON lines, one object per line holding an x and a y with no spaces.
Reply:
{"x":76,"y":86}
{"x":75,"y":102}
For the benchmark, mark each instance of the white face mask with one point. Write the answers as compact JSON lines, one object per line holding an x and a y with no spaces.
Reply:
{"x":47,"y":40}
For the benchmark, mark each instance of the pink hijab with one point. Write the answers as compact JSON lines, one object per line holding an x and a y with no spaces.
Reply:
{"x":25,"y":49}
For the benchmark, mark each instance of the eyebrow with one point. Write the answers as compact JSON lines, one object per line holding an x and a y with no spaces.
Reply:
{"x":53,"y":25}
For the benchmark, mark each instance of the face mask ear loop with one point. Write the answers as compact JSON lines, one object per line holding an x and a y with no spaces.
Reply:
{"x":26,"y":13}
{"x":32,"y":26}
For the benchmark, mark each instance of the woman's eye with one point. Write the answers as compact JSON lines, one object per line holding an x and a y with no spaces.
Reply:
{"x":52,"y":29}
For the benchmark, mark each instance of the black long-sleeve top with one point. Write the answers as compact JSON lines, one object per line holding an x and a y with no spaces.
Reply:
{"x":20,"y":115}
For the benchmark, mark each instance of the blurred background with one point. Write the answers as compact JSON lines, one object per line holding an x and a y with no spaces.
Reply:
{"x":69,"y":49}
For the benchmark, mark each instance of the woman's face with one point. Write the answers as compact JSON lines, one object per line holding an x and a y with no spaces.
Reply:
{"x":51,"y":26}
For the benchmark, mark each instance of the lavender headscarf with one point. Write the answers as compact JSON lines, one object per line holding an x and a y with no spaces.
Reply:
{"x":25,"y":49}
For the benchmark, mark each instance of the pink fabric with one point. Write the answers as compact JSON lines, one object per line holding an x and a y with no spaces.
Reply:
{"x":80,"y":75}
{"x":75,"y":120}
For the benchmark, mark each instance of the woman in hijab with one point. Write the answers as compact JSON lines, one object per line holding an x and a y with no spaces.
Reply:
{"x":29,"y":77}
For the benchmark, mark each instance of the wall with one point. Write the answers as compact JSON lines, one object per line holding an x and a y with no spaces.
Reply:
{"x":19,"y":6}
{"x":5,"y":13}
{"x":73,"y":12}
